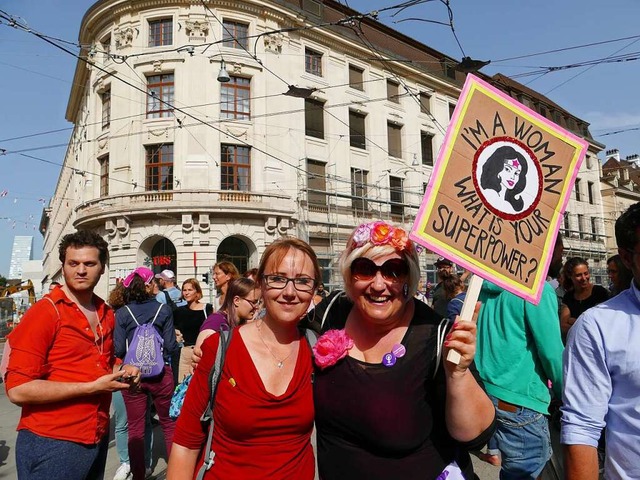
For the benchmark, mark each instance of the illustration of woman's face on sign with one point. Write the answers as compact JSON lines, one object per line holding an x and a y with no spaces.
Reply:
{"x":510,"y":173}
{"x":507,"y":177}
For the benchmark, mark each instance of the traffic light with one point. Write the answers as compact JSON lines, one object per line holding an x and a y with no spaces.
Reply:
{"x":205,"y":278}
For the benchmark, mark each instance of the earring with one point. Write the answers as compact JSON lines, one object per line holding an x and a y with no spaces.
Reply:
{"x":405,"y":290}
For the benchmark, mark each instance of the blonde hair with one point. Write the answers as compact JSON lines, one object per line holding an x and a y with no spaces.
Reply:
{"x":371,"y":251}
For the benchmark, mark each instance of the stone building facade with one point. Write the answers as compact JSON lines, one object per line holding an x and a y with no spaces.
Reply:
{"x":204,"y":131}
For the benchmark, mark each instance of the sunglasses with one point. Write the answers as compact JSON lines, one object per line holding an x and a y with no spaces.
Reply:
{"x":392,"y":270}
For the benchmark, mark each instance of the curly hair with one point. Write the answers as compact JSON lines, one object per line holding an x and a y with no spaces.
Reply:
{"x":451,"y":284}
{"x":137,"y":291}
{"x":568,"y":268}
{"x":84,"y":238}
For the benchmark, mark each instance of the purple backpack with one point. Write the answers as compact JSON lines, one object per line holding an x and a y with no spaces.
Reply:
{"x":145,"y":351}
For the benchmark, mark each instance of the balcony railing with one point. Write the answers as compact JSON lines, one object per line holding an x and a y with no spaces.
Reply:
{"x":183,"y":201}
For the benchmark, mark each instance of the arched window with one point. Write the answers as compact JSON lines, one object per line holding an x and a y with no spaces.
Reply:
{"x":236,"y":251}
{"x":163,"y":256}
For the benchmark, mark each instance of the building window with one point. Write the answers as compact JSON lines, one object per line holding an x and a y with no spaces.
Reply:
{"x":577,"y":189}
{"x":316,"y":183}
{"x":590,"y":192}
{"x":104,"y":175}
{"x":448,"y":69}
{"x":452,"y":108}
{"x":394,"y":139}
{"x":356,"y":77}
{"x":160,"y":89}
{"x":105,"y":43}
{"x":235,"y":99}
{"x":396,"y":196}
{"x":160,"y":32}
{"x":393,"y":91}
{"x":236,"y":168}
{"x":312,"y":62}
{"x":106,"y":109}
{"x":359,"y":202}
{"x":581,"y":226}
{"x":356,"y":130}
{"x":235,"y":34}
{"x":426,"y":144}
{"x":313,"y":118}
{"x":567,"y":225}
{"x":425,"y":103}
{"x":159,"y":167}
{"x":594,"y":229}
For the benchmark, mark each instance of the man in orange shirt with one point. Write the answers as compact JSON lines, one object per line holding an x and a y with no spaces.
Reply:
{"x":61,"y":371}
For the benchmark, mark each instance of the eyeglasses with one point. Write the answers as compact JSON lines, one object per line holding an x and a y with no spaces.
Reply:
{"x":279,"y":282}
{"x":254,"y":303}
{"x":392,"y":270}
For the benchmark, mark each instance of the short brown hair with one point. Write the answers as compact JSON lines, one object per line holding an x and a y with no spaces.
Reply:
{"x":84,"y":238}
{"x":195,"y":284}
{"x":279,"y":249}
{"x":229,"y":268}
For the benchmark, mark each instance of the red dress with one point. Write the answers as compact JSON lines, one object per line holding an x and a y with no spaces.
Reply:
{"x":257,"y":435}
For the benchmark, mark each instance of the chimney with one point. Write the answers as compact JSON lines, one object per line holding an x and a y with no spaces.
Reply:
{"x":613,"y":153}
{"x":632,"y":158}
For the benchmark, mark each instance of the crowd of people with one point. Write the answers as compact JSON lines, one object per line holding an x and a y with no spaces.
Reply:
{"x":374,"y":380}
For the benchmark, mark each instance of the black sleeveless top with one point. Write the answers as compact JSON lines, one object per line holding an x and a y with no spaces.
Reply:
{"x":376,"y":422}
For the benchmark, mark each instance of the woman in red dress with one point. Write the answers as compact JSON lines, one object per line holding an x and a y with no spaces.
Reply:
{"x":263,"y":410}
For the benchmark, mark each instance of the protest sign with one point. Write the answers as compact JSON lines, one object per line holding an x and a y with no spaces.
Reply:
{"x":499,"y":189}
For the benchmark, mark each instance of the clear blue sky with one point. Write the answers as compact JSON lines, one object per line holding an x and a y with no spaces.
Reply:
{"x":35,"y":78}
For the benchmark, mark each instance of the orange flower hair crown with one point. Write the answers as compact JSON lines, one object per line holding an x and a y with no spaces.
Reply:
{"x":381,"y":233}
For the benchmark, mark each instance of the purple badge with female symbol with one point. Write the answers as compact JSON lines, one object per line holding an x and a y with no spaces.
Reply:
{"x":389,"y":359}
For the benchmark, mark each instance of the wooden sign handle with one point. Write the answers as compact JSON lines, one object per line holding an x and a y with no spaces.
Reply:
{"x":469,"y":305}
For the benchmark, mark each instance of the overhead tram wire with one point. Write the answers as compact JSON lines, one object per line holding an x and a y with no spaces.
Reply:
{"x":126,"y":117}
{"x":183,"y":125}
{"x":369,"y":45}
{"x":3,"y":16}
{"x":592,"y":66}
{"x":342,"y":22}
{"x":557,"y":50}
{"x":198,"y":120}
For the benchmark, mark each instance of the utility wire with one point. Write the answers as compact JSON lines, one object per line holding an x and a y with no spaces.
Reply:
{"x":592,"y":66}
{"x":574,"y":47}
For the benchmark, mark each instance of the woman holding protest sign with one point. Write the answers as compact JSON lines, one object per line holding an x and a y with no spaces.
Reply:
{"x":263,"y":405}
{"x":140,"y":310}
{"x":386,"y":405}
{"x":581,"y":293}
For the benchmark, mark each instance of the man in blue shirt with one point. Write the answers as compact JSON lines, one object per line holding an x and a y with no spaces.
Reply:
{"x":168,"y":282}
{"x":602,"y":375}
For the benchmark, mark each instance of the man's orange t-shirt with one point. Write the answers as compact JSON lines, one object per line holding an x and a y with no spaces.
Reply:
{"x":59,"y":346}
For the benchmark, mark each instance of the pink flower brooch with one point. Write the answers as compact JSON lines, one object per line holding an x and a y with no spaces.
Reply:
{"x":331,"y":347}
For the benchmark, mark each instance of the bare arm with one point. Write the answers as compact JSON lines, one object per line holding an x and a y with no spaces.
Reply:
{"x":182,"y":463}
{"x":566,"y":320}
{"x":468,"y":409}
{"x":46,"y":391}
{"x":580,"y":462}
{"x":203,"y":335}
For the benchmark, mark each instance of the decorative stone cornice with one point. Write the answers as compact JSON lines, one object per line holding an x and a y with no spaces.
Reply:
{"x":124,"y":36}
{"x":196,"y":29}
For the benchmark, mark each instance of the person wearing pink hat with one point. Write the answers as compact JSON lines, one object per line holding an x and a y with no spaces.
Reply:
{"x":142,"y":308}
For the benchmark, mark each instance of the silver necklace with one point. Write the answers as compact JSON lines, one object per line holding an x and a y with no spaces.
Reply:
{"x":279,"y":363}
